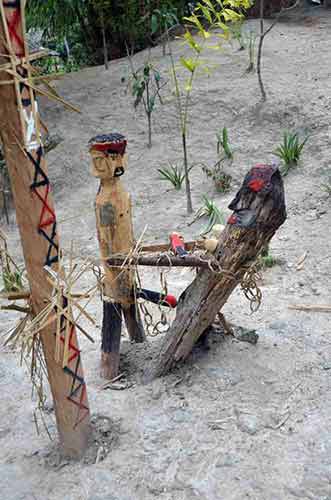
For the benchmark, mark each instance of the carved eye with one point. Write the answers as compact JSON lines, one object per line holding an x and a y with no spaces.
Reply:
{"x":98,"y":162}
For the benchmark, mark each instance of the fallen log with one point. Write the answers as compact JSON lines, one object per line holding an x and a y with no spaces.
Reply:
{"x":258,"y":211}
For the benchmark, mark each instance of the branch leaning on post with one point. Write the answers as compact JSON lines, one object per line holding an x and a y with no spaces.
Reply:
{"x":258,"y":211}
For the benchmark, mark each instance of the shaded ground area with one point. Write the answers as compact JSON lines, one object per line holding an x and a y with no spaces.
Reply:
{"x":236,"y":421}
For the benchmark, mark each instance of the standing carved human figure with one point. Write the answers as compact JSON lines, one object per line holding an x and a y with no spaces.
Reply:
{"x":115,"y":235}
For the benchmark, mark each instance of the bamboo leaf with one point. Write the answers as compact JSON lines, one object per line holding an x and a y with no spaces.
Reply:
{"x":189,"y":64}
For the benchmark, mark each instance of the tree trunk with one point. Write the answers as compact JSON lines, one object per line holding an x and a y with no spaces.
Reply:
{"x":19,"y":128}
{"x":104,"y":43}
{"x":149,"y":122}
{"x":189,"y":206}
{"x":259,"y":52}
{"x":259,"y":210}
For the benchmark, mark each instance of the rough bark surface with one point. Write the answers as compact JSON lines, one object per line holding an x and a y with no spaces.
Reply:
{"x":259,"y":210}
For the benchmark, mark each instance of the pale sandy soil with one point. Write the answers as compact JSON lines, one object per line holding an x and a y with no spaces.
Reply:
{"x":272,"y":400}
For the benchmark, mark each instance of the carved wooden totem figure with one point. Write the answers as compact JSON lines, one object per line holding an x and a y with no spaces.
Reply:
{"x":115,"y":235}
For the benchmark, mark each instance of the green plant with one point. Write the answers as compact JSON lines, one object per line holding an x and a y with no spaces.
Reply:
{"x":216,"y":15}
{"x":223,"y":142}
{"x":95,"y":27}
{"x":221,"y":179}
{"x":12,"y":276}
{"x":327,"y":188}
{"x":290,"y":151}
{"x":209,"y":209}
{"x":265,"y":259}
{"x":174,"y":174}
{"x":12,"y":281}
{"x":238,"y":34}
{"x":250,"y":42}
{"x":162,"y":19}
{"x":146,"y":87}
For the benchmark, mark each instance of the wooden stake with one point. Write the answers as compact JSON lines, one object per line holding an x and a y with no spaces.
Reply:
{"x":259,"y":209}
{"x":19,"y":129}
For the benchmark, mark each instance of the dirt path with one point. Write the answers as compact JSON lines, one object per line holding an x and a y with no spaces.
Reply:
{"x":238,"y":421}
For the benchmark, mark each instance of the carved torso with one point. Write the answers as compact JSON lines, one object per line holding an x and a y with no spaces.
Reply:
{"x":113,"y":216}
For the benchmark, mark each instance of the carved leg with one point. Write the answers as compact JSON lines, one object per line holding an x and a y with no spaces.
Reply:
{"x":111,"y":339}
{"x":133,"y":323}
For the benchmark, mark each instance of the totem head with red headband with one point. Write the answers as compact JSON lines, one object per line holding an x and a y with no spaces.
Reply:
{"x":257,"y":184}
{"x":109,"y":156}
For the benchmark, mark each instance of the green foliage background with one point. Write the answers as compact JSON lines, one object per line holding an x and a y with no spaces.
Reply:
{"x":79,"y":21}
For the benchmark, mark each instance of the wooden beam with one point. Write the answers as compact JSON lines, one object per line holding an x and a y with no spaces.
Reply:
{"x":258,"y":211}
{"x":161,"y":260}
{"x":20,"y":134}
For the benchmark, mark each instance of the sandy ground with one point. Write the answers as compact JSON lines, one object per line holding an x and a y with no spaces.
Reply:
{"x":238,"y":421}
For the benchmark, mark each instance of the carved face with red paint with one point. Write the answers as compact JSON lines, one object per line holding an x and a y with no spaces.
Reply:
{"x":257,"y":184}
{"x":108,"y":156}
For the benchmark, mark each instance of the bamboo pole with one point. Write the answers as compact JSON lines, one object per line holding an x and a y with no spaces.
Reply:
{"x":19,"y":129}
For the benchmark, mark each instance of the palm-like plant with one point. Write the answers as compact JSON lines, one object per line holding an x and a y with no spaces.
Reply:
{"x":174,"y":174}
{"x":290,"y":151}
{"x":209,"y":209}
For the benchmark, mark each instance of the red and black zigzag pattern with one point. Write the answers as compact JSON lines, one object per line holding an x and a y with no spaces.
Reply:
{"x":47,"y":220}
{"x":77,"y":394}
{"x":12,"y":24}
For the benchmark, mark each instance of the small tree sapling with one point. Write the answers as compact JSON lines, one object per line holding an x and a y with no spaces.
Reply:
{"x":216,"y":15}
{"x":146,"y":87}
{"x":162,"y":20}
{"x":262,"y":36}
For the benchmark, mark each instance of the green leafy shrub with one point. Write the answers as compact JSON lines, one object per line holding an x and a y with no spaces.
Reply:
{"x":88,"y":22}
